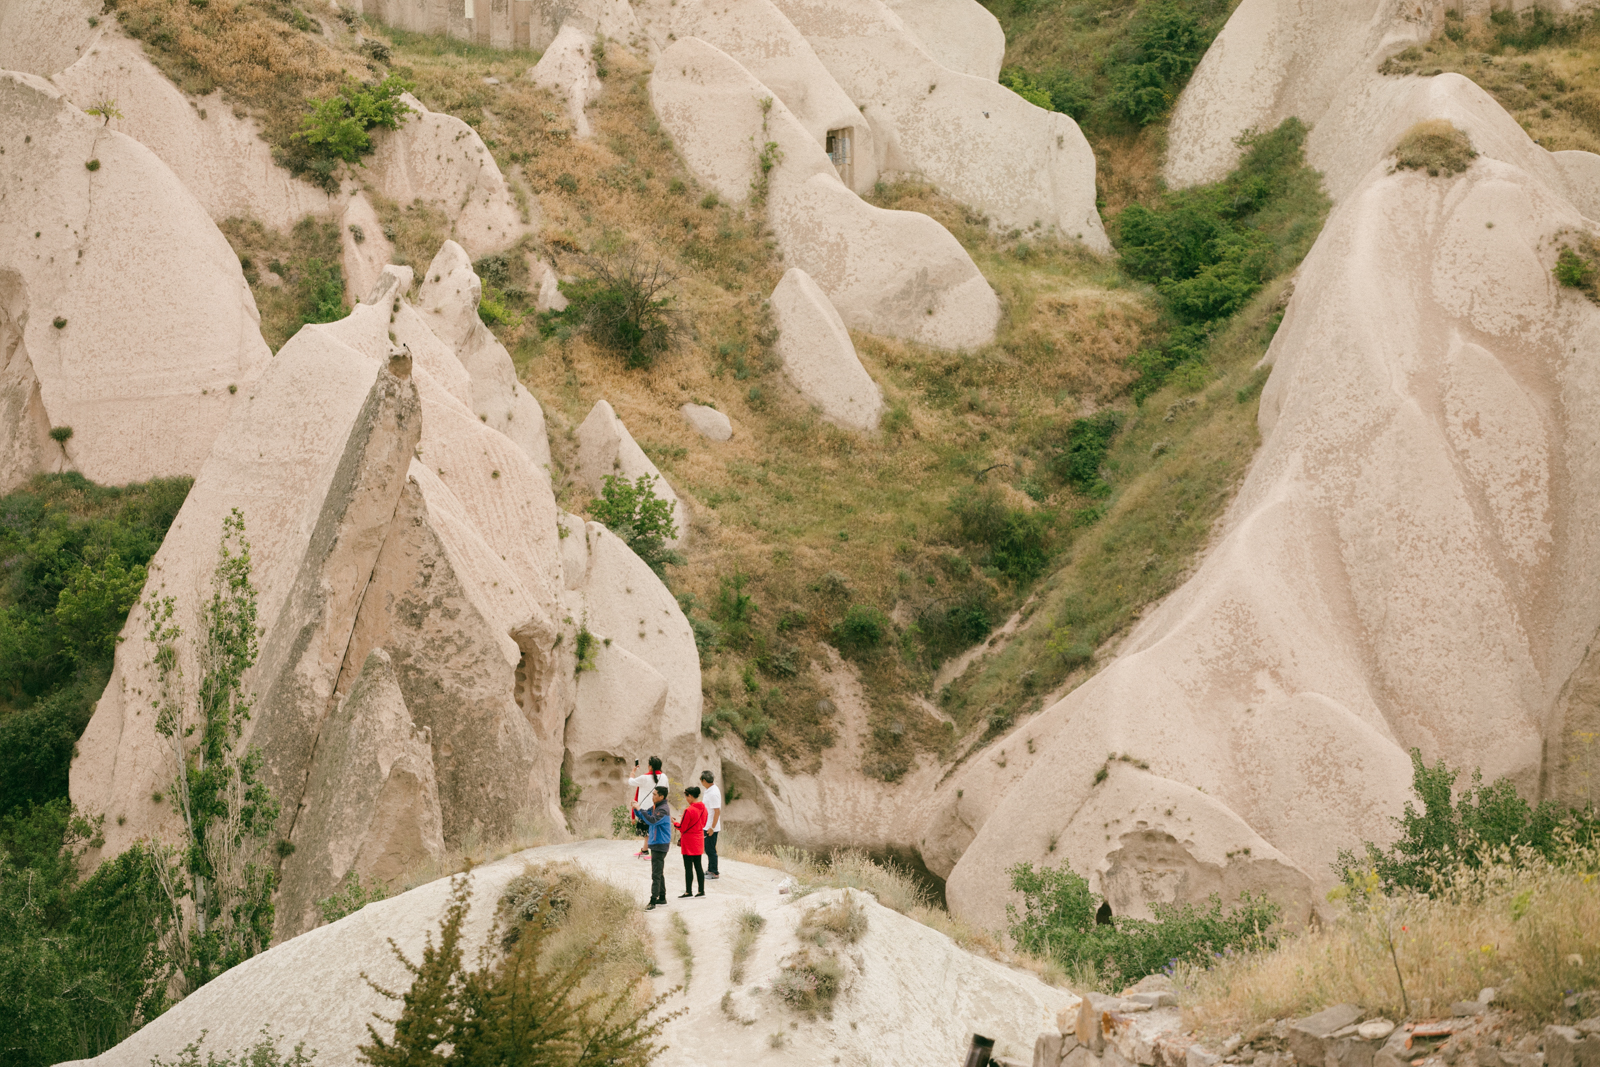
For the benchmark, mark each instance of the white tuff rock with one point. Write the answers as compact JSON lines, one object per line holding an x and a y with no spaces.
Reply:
{"x":819,"y":357}
{"x":605,"y":447}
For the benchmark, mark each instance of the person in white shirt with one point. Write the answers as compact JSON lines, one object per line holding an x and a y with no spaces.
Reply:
{"x":644,"y":787}
{"x":712,"y":799}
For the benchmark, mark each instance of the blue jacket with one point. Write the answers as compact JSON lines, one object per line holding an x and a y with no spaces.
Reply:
{"x":659,"y":819}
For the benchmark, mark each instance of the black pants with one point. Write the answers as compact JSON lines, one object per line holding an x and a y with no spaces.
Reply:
{"x":692,"y":868}
{"x":711,"y":851}
{"x":658,"y":874}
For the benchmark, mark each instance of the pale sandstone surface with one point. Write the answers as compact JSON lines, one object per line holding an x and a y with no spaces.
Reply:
{"x":756,"y":35}
{"x":25,"y":445}
{"x":707,"y":422}
{"x":275,"y":461}
{"x":959,"y":34}
{"x":373,"y":801}
{"x":567,"y":68}
{"x":364,"y":250}
{"x":605,"y":447}
{"x":410,"y":330}
{"x":545,"y":283}
{"x":45,"y":36}
{"x":157,"y":320}
{"x":913,"y":996}
{"x":440,"y":160}
{"x":818,"y":356}
{"x":886,"y":272}
{"x":976,"y":140}
{"x":1409,"y":563}
{"x":220,"y":158}
{"x":448,"y":302}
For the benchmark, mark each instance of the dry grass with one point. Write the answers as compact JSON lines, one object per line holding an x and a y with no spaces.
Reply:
{"x":1530,"y":931}
{"x":681,"y":946}
{"x":747,"y":928}
{"x":1436,"y":146}
{"x":301,"y":257}
{"x":587,"y":912}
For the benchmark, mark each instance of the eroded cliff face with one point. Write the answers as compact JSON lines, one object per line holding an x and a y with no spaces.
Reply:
{"x":1410,"y":563}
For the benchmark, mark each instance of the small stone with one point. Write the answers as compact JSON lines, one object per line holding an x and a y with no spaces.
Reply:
{"x":1468,"y":1008}
{"x":271,"y":280}
{"x":491,"y":81}
{"x":1200,"y":1056}
{"x":1375,"y":1029}
{"x":707,"y":421}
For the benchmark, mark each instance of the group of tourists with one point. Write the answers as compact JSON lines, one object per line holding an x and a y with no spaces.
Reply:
{"x":697,"y":829}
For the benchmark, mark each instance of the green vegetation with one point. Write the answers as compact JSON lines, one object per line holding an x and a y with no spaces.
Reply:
{"x":295,"y":277}
{"x":1453,"y":836}
{"x":264,"y":1053}
{"x":1059,"y":919}
{"x":218,"y":883}
{"x":338,"y":127}
{"x":623,"y":305}
{"x":351,"y":896}
{"x":1435,"y":146}
{"x":536,"y":1005}
{"x":643,"y":521}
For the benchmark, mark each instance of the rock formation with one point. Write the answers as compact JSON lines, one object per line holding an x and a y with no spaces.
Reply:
{"x":532,"y":24}
{"x":890,"y":272}
{"x":913,"y":995}
{"x":819,"y":357}
{"x":133,"y":328}
{"x":1399,"y":570}
{"x":708,"y":422}
{"x":606,"y":448}
{"x":959,"y":34}
{"x":567,"y":68}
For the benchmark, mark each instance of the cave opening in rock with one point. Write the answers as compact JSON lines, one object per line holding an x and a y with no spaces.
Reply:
{"x":838,"y":147}
{"x":1103,"y":916}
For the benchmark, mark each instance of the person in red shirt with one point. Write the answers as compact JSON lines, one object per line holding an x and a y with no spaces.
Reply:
{"x":692,"y":842}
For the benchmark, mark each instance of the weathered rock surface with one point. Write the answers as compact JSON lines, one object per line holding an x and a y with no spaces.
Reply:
{"x":707,"y":422}
{"x":978,"y":141}
{"x":44,"y":36}
{"x":449,"y":298}
{"x":959,"y":34}
{"x":887,"y":272}
{"x":605,"y":447}
{"x":567,"y":68}
{"x":757,"y":35}
{"x":819,"y":357}
{"x":219,"y":157}
{"x":373,"y":801}
{"x":440,"y":160}
{"x":914,"y":996}
{"x":365,"y":251}
{"x":134,"y":324}
{"x":1398,"y":570}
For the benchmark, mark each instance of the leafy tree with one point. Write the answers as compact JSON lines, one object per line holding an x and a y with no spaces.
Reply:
{"x":1167,"y":43}
{"x":624,"y":305}
{"x":633,"y":512}
{"x":337,"y":127}
{"x":1451,"y":832}
{"x":219,"y":893}
{"x":522,"y":1011}
{"x":1087,"y":441}
{"x":1060,"y":918}
{"x":1018,"y":540}
{"x":92,"y":606}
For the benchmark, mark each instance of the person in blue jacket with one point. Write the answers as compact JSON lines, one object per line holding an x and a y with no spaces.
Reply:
{"x":658,"y":817}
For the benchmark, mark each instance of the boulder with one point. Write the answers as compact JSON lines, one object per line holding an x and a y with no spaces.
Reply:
{"x":887,"y":272}
{"x":976,"y":140}
{"x":544,"y":282}
{"x":1572,"y":1046}
{"x":440,"y":160}
{"x":219,"y":156}
{"x":707,"y":422}
{"x":365,"y":249}
{"x":45,"y":36}
{"x":1311,"y":1039}
{"x":567,"y":69}
{"x":959,"y":34}
{"x":819,"y":357}
{"x":135,"y":327}
{"x":758,"y":36}
{"x":373,"y":801}
{"x":1371,"y":585}
{"x":605,"y":447}
{"x":449,"y":298}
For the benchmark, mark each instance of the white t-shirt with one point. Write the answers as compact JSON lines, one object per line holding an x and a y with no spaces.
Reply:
{"x":712,"y":799}
{"x":645,"y":798}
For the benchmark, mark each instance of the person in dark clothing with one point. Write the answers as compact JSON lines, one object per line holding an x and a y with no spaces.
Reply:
{"x":658,"y":817}
{"x":692,"y":841}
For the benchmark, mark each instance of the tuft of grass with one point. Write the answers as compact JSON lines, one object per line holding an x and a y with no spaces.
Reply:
{"x":1436,"y":146}
{"x":681,"y":946}
{"x":841,"y":918}
{"x":748,"y":925}
{"x":809,"y":981}
{"x":305,"y":260}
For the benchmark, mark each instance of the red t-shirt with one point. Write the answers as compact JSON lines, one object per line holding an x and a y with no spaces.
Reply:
{"x":692,"y":827}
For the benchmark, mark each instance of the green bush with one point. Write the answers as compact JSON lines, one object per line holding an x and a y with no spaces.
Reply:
{"x":624,"y":305}
{"x":734,"y":610}
{"x":322,"y":291}
{"x":338,"y":127}
{"x":1060,"y":920}
{"x":1017,"y":540}
{"x":1167,"y":42}
{"x":947,"y":629}
{"x":351,"y":896}
{"x":1087,"y":441}
{"x":264,"y":1053}
{"x":633,"y":512}
{"x":1573,"y":270}
{"x":1450,"y":834}
{"x":863,"y":628}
